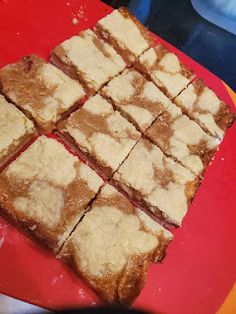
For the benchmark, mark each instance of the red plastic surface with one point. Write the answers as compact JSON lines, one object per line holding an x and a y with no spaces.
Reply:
{"x":199,"y":269}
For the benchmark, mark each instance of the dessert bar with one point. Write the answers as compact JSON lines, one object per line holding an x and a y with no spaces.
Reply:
{"x":183,"y":139}
{"x":127,"y":35}
{"x":157,"y":182}
{"x":113,"y":245}
{"x":88,"y":59}
{"x":138,"y":99}
{"x":46,"y":190}
{"x":41,"y":90}
{"x":205,"y":107}
{"x":100,"y":133}
{"x":15,"y":130}
{"x":165,"y":69}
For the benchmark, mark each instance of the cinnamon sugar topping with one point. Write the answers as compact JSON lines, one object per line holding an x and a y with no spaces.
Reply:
{"x":102,"y":132}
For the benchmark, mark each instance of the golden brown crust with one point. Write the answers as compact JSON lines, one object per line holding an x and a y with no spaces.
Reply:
{"x":76,"y":197}
{"x":161,"y":130}
{"x":126,"y":54}
{"x":224,"y":118}
{"x":22,"y":78}
{"x":105,"y":287}
{"x":147,"y":70}
{"x":13,"y":150}
{"x":124,"y":285}
{"x":133,"y":278}
{"x":203,"y":151}
{"x":160,"y":134}
{"x":190,"y":190}
{"x":102,"y":171}
{"x":144,"y":31}
{"x":120,"y":288}
{"x":24,"y":85}
{"x":137,"y":197}
{"x":60,"y":60}
{"x":138,"y":99}
{"x":161,"y":51}
{"x":8,"y":211}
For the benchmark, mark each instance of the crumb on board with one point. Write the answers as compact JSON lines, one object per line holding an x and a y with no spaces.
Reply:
{"x":75,"y":21}
{"x":80,"y":14}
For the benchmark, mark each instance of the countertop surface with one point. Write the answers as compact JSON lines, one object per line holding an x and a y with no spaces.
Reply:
{"x":177,"y":22}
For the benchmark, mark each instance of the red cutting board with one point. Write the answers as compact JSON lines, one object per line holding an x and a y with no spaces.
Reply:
{"x":200,"y":267}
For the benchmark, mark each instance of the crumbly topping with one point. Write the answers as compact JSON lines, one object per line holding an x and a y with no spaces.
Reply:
{"x":137,"y":98}
{"x":40,"y":88}
{"x":48,"y":187}
{"x":43,"y":202}
{"x":95,"y":61}
{"x":165,"y":69}
{"x":158,"y":180}
{"x":42,"y":161}
{"x":119,"y":235}
{"x":102,"y":132}
{"x":126,"y":32}
{"x":184,"y":140}
{"x":202,"y":104}
{"x":13,"y":126}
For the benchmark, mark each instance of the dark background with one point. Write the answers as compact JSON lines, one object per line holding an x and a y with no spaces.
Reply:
{"x":178,"y":23}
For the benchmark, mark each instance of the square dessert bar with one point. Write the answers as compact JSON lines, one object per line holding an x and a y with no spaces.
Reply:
{"x":41,"y":90}
{"x":113,"y":245}
{"x":46,"y":190}
{"x":138,"y":99}
{"x":127,"y":35}
{"x":165,"y":69}
{"x":183,"y":139}
{"x":204,"y":106}
{"x":100,"y":133}
{"x":88,"y":59}
{"x":157,"y":182}
{"x":15,"y":130}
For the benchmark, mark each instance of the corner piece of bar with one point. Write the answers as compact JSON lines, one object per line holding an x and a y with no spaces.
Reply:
{"x":125,"y":33}
{"x":46,"y":190}
{"x":16,"y":130}
{"x":113,"y":245}
{"x":100,"y":133}
{"x":88,"y":59}
{"x":165,"y":69}
{"x":39,"y":89}
{"x":206,"y":108}
{"x":157,"y":182}
{"x":138,"y":99}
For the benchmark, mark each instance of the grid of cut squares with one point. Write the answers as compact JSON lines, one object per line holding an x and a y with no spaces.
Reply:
{"x":100,"y":133}
{"x":41,"y":90}
{"x":113,"y":245}
{"x":88,"y":59}
{"x":58,"y":198}
{"x":206,"y":108}
{"x":165,"y":69}
{"x":15,"y":130}
{"x":125,"y":33}
{"x":46,"y":190}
